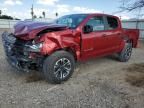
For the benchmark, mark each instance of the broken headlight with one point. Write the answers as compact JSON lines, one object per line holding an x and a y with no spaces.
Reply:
{"x":35,"y":47}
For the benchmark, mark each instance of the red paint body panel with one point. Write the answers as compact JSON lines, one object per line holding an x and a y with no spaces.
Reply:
{"x":133,"y":34}
{"x":83,"y":46}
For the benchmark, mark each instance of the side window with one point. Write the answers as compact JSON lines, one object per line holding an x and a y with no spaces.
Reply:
{"x":112,"y":23}
{"x":97,"y":23}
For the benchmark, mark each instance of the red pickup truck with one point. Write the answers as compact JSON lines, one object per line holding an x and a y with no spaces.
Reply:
{"x":55,"y":47}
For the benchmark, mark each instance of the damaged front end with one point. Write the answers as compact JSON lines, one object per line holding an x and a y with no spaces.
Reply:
{"x":23,"y":55}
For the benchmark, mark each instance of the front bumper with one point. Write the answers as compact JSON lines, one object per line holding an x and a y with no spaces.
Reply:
{"x":20,"y":61}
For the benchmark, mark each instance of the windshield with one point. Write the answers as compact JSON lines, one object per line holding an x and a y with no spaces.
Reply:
{"x":71,"y":21}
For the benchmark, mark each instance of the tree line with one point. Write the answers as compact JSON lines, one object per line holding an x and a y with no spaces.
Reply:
{"x":7,"y":17}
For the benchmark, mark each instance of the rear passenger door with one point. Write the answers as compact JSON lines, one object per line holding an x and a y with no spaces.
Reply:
{"x":113,"y":33}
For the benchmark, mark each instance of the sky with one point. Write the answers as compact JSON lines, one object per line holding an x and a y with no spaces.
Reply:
{"x":22,"y":8}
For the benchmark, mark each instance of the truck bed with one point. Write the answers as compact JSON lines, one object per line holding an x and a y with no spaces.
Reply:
{"x":132,"y":34}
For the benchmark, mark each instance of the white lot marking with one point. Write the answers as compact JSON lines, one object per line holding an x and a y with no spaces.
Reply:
{"x":52,"y":88}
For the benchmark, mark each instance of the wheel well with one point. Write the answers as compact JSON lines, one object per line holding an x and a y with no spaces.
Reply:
{"x":70,"y":51}
{"x":127,"y":39}
{"x":131,"y":41}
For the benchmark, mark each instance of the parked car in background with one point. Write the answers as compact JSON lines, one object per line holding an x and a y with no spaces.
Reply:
{"x":55,"y":47}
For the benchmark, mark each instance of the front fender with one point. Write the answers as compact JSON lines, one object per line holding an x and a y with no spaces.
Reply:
{"x":58,"y":41}
{"x":49,"y":47}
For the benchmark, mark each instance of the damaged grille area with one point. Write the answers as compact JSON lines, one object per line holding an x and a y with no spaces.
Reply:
{"x":18,"y":54}
{"x":19,"y":48}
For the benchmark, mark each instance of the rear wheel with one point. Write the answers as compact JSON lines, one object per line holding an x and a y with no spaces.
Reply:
{"x":59,"y":67}
{"x":125,"y":54}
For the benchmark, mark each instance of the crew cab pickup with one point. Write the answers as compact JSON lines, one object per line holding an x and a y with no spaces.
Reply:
{"x":55,"y":47}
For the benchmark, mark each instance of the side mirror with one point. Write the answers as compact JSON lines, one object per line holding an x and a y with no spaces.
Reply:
{"x":87,"y":29}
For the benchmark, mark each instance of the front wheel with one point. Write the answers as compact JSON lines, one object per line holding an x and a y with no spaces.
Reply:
{"x":58,"y":67}
{"x":125,"y":54}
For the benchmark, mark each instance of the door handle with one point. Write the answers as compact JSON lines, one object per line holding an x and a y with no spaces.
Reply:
{"x":104,"y":35}
{"x":119,"y":34}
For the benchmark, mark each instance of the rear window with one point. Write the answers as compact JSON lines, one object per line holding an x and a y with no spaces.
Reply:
{"x":112,"y":23}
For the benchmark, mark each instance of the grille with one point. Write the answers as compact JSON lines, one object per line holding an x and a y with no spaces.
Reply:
{"x":19,"y":47}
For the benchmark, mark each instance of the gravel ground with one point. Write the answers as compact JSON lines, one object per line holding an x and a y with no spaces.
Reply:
{"x":97,"y":83}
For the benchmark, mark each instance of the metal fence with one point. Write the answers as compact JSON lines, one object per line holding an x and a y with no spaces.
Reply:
{"x":7,"y":23}
{"x":141,"y":34}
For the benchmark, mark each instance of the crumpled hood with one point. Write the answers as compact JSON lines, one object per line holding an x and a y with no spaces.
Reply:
{"x":26,"y":27}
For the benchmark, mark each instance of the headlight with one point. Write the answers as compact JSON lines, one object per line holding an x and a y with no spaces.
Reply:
{"x":35,"y":47}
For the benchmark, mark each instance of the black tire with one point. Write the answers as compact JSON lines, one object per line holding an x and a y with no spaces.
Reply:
{"x":57,"y":65}
{"x":125,"y":54}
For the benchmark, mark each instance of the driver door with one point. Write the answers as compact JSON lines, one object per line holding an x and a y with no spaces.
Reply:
{"x":94,"y":43}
